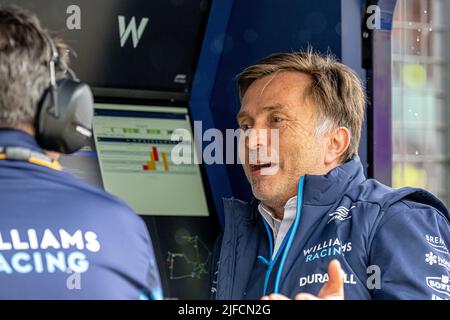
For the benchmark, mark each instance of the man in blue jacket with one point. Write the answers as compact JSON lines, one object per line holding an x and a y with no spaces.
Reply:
{"x":318,"y":228}
{"x":59,"y":237}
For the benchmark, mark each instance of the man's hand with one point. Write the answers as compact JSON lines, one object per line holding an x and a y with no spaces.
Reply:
{"x":332,"y":290}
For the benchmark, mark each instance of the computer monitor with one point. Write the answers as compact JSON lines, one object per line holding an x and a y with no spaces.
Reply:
{"x":134,"y":145}
{"x":83,"y":164}
{"x":130,"y":157}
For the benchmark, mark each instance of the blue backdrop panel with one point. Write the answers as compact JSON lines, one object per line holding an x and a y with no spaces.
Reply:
{"x":238,"y":34}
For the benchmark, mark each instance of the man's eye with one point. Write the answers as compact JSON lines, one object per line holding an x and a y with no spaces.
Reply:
{"x":276,"y":119}
{"x":244,"y":127}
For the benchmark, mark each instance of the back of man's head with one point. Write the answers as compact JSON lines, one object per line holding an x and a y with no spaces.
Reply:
{"x":24,"y":66}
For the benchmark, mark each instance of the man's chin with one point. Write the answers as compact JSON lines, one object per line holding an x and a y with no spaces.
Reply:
{"x":262,"y":193}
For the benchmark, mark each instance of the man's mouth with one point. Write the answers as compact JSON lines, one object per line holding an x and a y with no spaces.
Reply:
{"x":263,"y":168}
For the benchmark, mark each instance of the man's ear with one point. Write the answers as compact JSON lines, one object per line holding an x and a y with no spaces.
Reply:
{"x":337,"y":143}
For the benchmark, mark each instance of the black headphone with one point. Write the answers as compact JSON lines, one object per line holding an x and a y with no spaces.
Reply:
{"x":65,"y":110}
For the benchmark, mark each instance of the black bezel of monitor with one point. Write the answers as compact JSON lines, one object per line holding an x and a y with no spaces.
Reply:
{"x":176,"y":104}
{"x":151,"y":221}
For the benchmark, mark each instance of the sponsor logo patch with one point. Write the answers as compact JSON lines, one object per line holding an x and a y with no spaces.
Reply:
{"x":433,"y":259}
{"x":322,"y":278}
{"x":439,"y":284}
{"x":341,"y":213}
{"x":437,"y":244}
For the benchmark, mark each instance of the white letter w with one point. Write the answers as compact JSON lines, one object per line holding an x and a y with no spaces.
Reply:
{"x":131,"y":28}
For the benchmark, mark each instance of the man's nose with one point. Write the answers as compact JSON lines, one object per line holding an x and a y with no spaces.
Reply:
{"x":258,"y":138}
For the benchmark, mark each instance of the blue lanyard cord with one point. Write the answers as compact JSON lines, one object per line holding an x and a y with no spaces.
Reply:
{"x":271,"y":263}
{"x":285,"y":246}
{"x":292,"y":233}
{"x":265,"y":261}
{"x":270,"y":238}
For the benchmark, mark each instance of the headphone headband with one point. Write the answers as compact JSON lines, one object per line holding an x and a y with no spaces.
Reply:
{"x":53,"y":59}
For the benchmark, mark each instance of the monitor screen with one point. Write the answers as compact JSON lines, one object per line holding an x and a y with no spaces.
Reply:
{"x":125,"y":157}
{"x":134,"y":147}
{"x":83,"y":164}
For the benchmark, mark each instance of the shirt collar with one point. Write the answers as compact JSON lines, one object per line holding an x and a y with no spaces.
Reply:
{"x":291,"y":203}
{"x":17,"y":138}
{"x":267,"y":215}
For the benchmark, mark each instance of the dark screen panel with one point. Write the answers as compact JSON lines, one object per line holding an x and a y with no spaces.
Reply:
{"x":156,"y":48}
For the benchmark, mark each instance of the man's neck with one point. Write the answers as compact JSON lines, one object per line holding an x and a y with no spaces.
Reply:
{"x":278,"y":212}
{"x":27,"y":129}
{"x":21,"y":127}
{"x":30,"y":130}
{"x":276,"y":209}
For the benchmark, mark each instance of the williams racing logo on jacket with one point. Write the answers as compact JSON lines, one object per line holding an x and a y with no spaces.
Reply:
{"x":46,"y":251}
{"x":328,"y":248}
{"x":340,"y":214}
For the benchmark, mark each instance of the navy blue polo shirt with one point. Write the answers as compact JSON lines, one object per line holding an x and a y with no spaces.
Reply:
{"x":63,"y":239}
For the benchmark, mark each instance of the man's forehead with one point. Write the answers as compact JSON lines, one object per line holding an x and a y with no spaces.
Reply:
{"x":244,"y":112}
{"x":284,"y":80}
{"x":275,"y":91}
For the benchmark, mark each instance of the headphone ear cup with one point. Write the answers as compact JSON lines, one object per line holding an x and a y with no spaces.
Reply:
{"x":65,"y":127}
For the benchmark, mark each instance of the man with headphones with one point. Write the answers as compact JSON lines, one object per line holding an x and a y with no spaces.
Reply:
{"x":59,"y":238}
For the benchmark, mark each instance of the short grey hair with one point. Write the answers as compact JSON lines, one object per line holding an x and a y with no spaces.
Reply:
{"x":25,"y":54}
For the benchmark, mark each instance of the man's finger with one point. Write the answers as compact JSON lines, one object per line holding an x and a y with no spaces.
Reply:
{"x":306,"y":296}
{"x":275,"y":296}
{"x":335,"y":285}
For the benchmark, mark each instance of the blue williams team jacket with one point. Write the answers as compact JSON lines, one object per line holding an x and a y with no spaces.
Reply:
{"x":63,"y":239}
{"x":392,"y":244}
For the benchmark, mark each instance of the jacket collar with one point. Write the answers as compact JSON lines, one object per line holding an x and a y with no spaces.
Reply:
{"x":326,"y":189}
{"x":17,"y":138}
{"x":319,"y":190}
